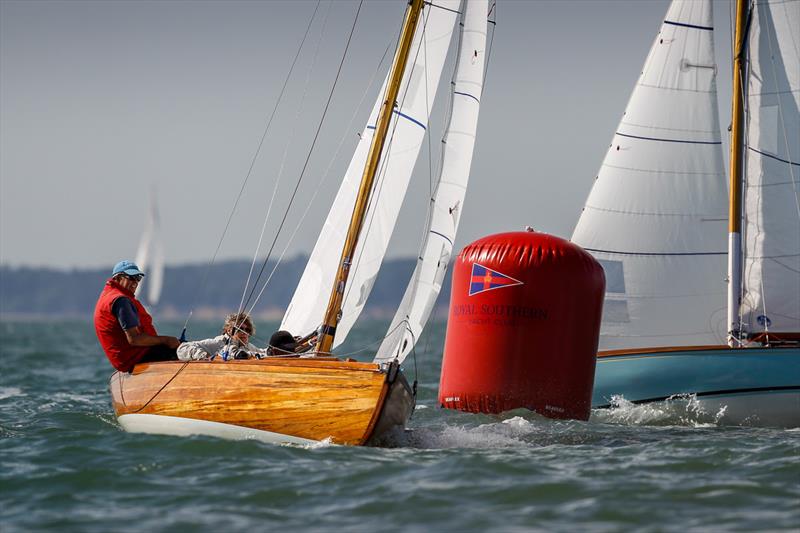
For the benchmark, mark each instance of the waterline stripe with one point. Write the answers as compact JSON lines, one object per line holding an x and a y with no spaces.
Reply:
{"x":678,"y":396}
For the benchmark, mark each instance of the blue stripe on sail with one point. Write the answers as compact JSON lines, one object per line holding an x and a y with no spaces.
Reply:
{"x":683,"y":24}
{"x":412,"y":119}
{"x":415,"y":121}
{"x":653,"y":253}
{"x":445,"y":237}
{"x":776,"y":158}
{"x":668,"y":140}
{"x":467,"y":94}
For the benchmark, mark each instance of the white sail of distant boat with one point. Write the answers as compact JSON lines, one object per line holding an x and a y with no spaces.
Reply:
{"x":150,"y":255}
{"x":656,"y":215}
{"x":407,"y":130}
{"x":446,"y":205}
{"x":771,"y":255}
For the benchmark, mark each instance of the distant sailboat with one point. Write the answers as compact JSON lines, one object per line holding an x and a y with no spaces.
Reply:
{"x":150,"y":255}
{"x":302,"y":400}
{"x":656,"y":219}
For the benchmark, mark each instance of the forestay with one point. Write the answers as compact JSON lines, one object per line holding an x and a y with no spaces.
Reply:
{"x":771,"y":277}
{"x":407,"y":131}
{"x":446,"y":205}
{"x":656,"y":215}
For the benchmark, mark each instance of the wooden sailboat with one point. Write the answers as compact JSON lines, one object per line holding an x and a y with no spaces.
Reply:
{"x":303,"y":400}
{"x":655,"y":219}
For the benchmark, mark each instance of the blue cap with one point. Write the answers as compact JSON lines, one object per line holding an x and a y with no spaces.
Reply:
{"x":126,"y":267}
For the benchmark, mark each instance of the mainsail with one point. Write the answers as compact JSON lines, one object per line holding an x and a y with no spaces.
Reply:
{"x":408,"y":127}
{"x":446,"y":204}
{"x":655,"y":217}
{"x":771,"y":276}
{"x":150,"y":255}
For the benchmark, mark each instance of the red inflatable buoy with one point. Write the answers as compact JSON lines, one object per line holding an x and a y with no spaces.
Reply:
{"x":525,"y":311}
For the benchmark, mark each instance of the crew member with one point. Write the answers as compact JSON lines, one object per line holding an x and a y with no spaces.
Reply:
{"x":124,"y":327}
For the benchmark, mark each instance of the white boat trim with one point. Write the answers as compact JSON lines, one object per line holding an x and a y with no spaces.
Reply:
{"x":184,"y":427}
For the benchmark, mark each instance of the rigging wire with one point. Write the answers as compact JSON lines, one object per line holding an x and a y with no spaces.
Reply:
{"x":493,"y":23}
{"x":322,"y":180}
{"x":383,"y":169}
{"x":432,"y":187}
{"x":283,"y":159}
{"x":308,"y":157}
{"x":204,"y":279}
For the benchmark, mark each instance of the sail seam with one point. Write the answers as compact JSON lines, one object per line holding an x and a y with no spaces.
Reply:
{"x":751,"y":257}
{"x":653,"y":253}
{"x":651,"y":214}
{"x":652,"y":171}
{"x":675,"y":89}
{"x":651,"y":126}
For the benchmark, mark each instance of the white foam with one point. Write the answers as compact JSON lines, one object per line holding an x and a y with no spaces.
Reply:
{"x":679,"y":409}
{"x":10,"y":392}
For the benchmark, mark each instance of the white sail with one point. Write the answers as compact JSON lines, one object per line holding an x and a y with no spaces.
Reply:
{"x":406,"y":133}
{"x":657,"y":213}
{"x":771,"y":277}
{"x":446,"y":205}
{"x":150,"y":255}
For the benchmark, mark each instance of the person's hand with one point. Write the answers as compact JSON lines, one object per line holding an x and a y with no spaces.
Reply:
{"x":173,"y":342}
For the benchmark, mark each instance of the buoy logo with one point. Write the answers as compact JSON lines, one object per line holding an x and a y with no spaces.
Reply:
{"x":485,"y":279}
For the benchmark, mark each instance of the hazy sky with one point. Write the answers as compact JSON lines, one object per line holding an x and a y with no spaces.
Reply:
{"x":101,"y":101}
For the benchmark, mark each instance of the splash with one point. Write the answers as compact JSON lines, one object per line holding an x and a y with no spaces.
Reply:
{"x":10,"y":392}
{"x":678,"y":409}
{"x":324,"y":443}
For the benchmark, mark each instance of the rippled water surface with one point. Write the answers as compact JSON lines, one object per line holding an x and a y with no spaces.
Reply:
{"x":66,"y":465}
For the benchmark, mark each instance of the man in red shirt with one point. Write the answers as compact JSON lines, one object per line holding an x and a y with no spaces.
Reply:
{"x":124,"y":327}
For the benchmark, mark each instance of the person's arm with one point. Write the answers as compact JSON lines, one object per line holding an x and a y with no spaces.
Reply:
{"x":128,"y":318}
{"x":136,"y":337}
{"x":255,"y":351}
{"x":202,"y":349}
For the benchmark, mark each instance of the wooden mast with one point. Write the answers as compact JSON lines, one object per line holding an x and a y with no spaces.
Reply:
{"x":333,"y":311}
{"x":736,"y":162}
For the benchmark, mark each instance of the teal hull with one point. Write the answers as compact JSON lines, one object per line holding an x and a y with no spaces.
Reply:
{"x":755,"y":386}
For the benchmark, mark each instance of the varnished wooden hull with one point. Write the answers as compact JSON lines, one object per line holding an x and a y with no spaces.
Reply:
{"x":286,"y":400}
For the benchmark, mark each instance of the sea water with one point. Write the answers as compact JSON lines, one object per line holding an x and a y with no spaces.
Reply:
{"x":66,"y":465}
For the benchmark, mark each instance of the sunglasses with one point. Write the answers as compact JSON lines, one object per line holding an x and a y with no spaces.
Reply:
{"x":242,"y":329}
{"x":137,"y":278}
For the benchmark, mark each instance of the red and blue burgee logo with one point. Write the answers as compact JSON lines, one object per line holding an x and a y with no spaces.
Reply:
{"x":485,"y":279}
